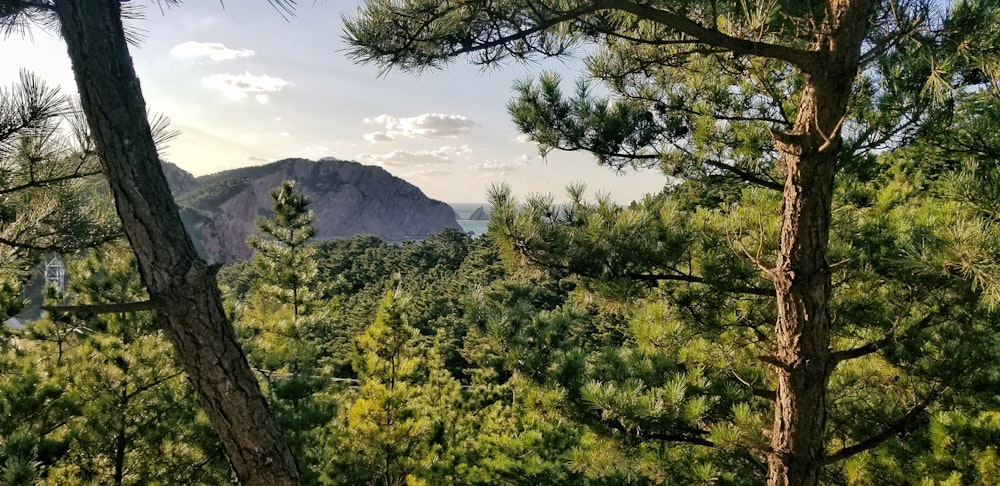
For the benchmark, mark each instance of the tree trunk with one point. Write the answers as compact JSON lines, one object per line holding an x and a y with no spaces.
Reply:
{"x":189,"y":307}
{"x":802,"y":273}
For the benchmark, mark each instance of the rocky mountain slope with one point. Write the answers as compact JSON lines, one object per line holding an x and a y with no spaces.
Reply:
{"x":221,"y":210}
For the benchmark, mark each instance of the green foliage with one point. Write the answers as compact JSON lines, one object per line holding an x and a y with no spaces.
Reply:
{"x":589,"y":342}
{"x":388,"y":431}
{"x":51,"y":198}
{"x":100,"y":399}
{"x":284,"y":262}
{"x":915,"y":246}
{"x":210,"y":196}
{"x":707,"y":92}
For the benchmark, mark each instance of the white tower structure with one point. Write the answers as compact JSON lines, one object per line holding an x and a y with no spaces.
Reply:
{"x":55,"y":273}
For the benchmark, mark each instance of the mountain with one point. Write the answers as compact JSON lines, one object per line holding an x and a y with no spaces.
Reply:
{"x":221,"y":210}
{"x":179,"y":180}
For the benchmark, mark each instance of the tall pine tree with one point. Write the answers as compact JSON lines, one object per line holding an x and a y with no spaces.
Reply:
{"x":285,"y":263}
{"x":744,"y":99}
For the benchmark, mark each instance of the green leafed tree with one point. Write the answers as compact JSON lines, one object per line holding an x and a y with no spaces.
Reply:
{"x":769,"y":100}
{"x":283,"y":324}
{"x":136,"y":422}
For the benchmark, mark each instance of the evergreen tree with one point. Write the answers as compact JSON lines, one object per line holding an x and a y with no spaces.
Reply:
{"x":285,"y":263}
{"x":283,"y":323}
{"x":137,"y":423}
{"x":49,"y":188}
{"x":110,"y":406}
{"x":386,"y":433}
{"x":182,"y":284}
{"x":760,"y":105}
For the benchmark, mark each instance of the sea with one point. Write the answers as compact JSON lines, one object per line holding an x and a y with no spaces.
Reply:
{"x":464,"y":210}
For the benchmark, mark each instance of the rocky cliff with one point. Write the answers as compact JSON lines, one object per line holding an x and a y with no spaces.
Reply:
{"x":479,"y":215}
{"x":221,"y":210}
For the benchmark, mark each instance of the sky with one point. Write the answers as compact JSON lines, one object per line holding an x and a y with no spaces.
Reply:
{"x":245,"y":87}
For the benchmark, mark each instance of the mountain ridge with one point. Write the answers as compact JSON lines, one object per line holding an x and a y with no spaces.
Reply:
{"x":220,"y":210}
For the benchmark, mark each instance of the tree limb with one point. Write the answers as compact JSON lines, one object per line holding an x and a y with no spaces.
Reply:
{"x":524,"y":34}
{"x":153,"y":384}
{"x":876,"y":346}
{"x":58,"y":248}
{"x":501,"y":34}
{"x":102,"y":308}
{"x":693,"y":436}
{"x":45,"y":182}
{"x":800,"y":58}
{"x":746,"y":175}
{"x":739,"y":289}
{"x":896,"y":427}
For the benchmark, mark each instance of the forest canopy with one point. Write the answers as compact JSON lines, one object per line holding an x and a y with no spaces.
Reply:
{"x":813,"y":299}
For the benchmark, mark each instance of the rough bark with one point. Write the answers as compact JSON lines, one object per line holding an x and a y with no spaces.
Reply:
{"x":189,"y":307}
{"x":802,"y":273}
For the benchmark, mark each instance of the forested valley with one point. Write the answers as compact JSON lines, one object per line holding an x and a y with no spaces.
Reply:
{"x":812,"y":299}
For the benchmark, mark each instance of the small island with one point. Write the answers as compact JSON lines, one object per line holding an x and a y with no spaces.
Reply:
{"x":479,"y":215}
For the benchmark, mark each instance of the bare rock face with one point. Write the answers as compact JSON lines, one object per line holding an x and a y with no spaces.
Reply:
{"x":179,"y":180}
{"x":479,"y":215}
{"x":348,"y":199}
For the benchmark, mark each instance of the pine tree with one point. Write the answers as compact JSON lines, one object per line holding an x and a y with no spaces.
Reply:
{"x":750,"y":101}
{"x":111,"y":405}
{"x":182,"y":284}
{"x":285,"y":262}
{"x":384,"y":433}
{"x":49,"y":189}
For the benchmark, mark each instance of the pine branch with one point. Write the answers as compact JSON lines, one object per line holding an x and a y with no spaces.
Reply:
{"x":692,"y":436}
{"x":764,"y":393}
{"x":46,"y":182}
{"x":876,"y":346}
{"x":55,"y":248}
{"x":906,"y":421}
{"x":102,"y":308}
{"x":746,"y":175}
{"x":152,"y":384}
{"x":604,"y":155}
{"x":739,"y":289}
{"x":522,"y":35}
{"x":534,"y":259}
{"x":800,"y":58}
{"x":504,"y":35}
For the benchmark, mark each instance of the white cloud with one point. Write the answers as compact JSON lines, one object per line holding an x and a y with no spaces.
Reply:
{"x":212,"y":50}
{"x":239,"y":86}
{"x":428,"y":125}
{"x":428,"y":173}
{"x":417,"y":158}
{"x":496,"y":167}
{"x":262,"y":98}
{"x":378,"y":137}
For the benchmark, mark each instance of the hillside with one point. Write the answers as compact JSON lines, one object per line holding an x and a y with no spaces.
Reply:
{"x":220,"y":210}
